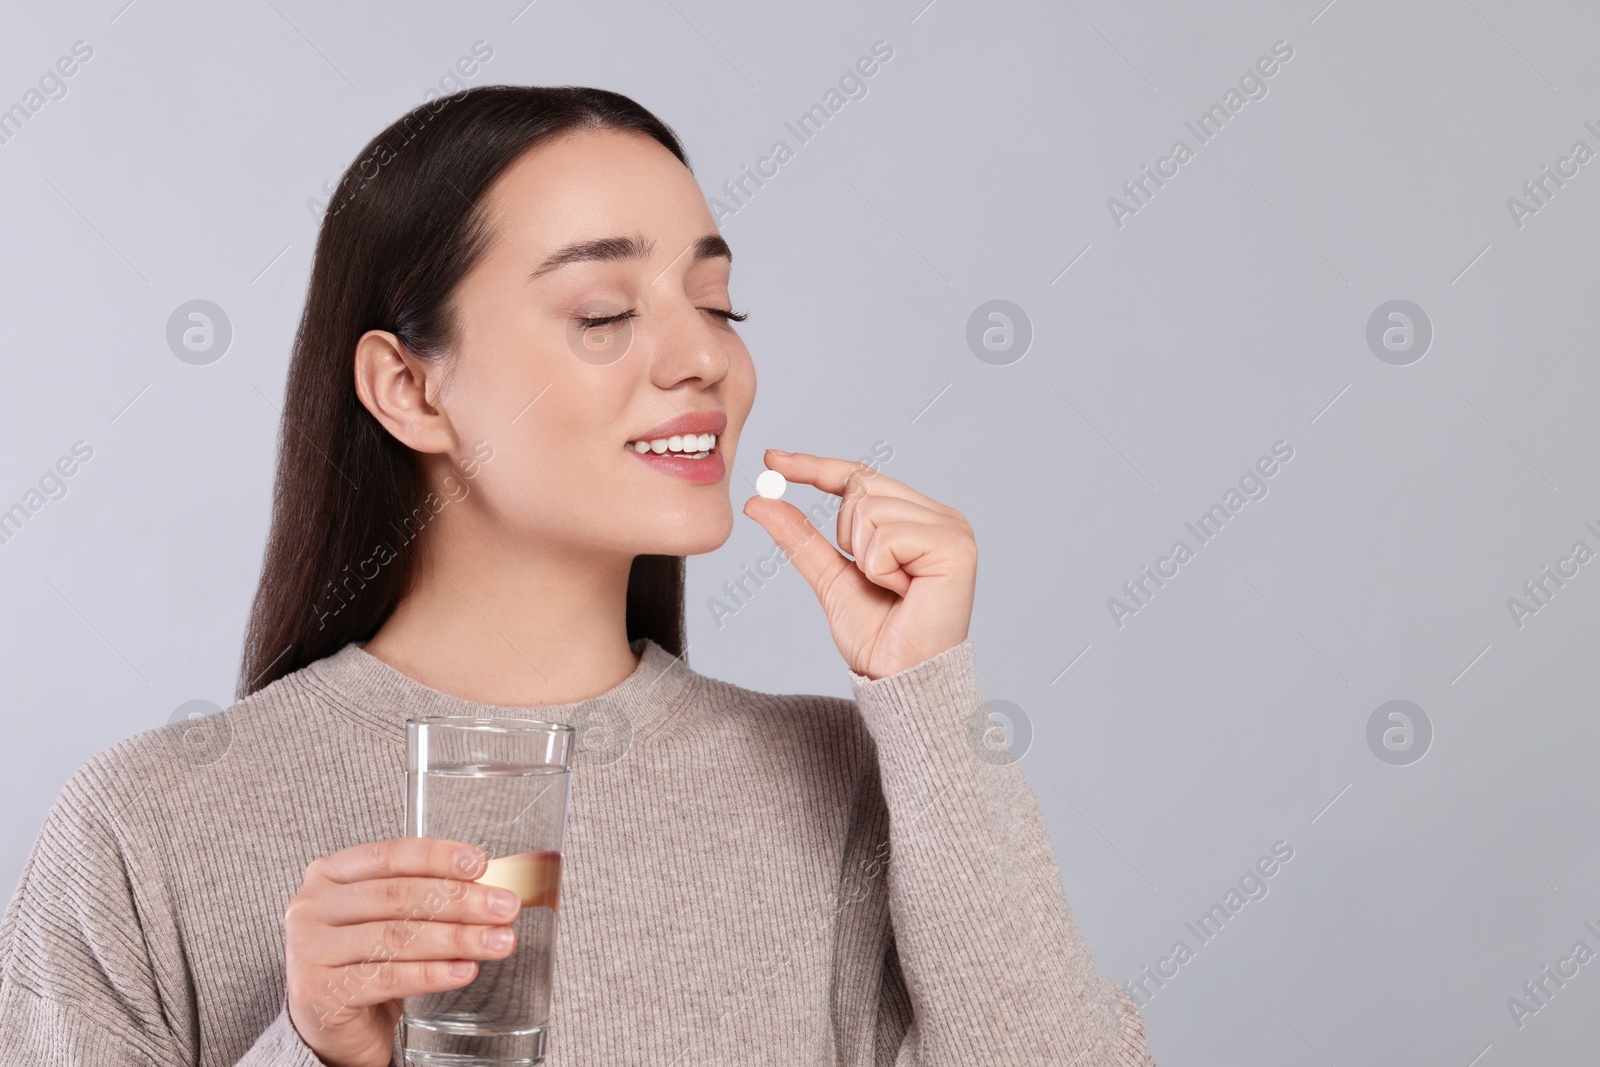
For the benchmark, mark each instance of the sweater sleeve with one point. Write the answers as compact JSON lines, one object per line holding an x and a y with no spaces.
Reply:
{"x":986,"y":962}
{"x":77,"y":984}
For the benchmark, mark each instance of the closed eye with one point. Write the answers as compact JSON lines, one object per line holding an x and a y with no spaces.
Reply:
{"x":604,"y":320}
{"x":727,"y":315}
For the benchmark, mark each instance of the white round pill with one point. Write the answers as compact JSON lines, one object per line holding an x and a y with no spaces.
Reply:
{"x":770,"y":484}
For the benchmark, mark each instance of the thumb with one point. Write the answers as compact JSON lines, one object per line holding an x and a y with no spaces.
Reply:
{"x":812,"y":554}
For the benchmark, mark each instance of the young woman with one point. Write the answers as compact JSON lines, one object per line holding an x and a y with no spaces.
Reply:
{"x":514,"y":401}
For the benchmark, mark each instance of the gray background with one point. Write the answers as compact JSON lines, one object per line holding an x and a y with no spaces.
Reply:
{"x":1229,"y":313}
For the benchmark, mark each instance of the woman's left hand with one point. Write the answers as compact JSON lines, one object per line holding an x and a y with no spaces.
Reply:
{"x":907,"y":594}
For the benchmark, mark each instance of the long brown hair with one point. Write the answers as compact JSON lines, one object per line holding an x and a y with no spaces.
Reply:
{"x":401,"y":230}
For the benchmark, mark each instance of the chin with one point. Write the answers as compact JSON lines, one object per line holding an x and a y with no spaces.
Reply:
{"x":704,"y":531}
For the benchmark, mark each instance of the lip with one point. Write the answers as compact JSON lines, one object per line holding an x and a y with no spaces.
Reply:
{"x":693,"y":422}
{"x":706,"y":471}
{"x":700,"y":471}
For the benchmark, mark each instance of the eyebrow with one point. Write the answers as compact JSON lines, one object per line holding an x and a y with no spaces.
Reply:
{"x":618,"y":249}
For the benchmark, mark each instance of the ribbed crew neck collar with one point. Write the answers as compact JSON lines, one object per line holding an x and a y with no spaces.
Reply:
{"x":385,"y":696}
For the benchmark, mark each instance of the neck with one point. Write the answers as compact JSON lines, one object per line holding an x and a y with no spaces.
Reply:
{"x":492,"y":622}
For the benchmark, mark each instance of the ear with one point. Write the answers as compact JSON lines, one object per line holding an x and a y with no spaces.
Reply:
{"x":402,"y":392}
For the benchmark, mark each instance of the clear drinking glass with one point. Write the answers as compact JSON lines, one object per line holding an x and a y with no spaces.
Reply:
{"x":503,"y":785}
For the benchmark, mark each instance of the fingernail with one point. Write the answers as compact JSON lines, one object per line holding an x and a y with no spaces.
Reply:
{"x":779,"y":452}
{"x":460,"y":968}
{"x":498,"y":938}
{"x":503,"y":901}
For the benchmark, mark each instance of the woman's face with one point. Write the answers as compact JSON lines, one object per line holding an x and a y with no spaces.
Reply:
{"x":589,"y":225}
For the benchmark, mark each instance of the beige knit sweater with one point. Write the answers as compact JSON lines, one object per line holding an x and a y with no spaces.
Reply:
{"x":748,"y":879}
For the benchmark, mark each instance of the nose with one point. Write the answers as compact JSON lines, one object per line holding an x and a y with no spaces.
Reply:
{"x":690,"y":348}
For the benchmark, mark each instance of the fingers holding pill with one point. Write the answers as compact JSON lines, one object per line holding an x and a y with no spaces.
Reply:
{"x":846,"y":478}
{"x":907,"y":594}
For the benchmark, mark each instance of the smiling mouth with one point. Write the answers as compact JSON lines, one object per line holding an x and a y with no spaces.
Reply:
{"x":683,"y":446}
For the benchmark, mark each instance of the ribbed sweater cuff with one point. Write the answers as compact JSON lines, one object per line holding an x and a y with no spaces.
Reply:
{"x":932,"y":711}
{"x":280,"y":1045}
{"x":1133,"y":1050}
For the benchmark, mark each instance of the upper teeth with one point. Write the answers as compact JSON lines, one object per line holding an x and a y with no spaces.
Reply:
{"x":691,"y":443}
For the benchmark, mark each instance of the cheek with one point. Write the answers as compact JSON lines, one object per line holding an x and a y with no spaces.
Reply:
{"x":488,"y":399}
{"x":740,"y":392}
{"x":746,"y":371}
{"x":556,"y":459}
{"x":511,"y":360}
{"x":535,"y":481}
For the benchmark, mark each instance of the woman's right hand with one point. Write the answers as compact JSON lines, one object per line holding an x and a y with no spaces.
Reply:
{"x":379,"y":922}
